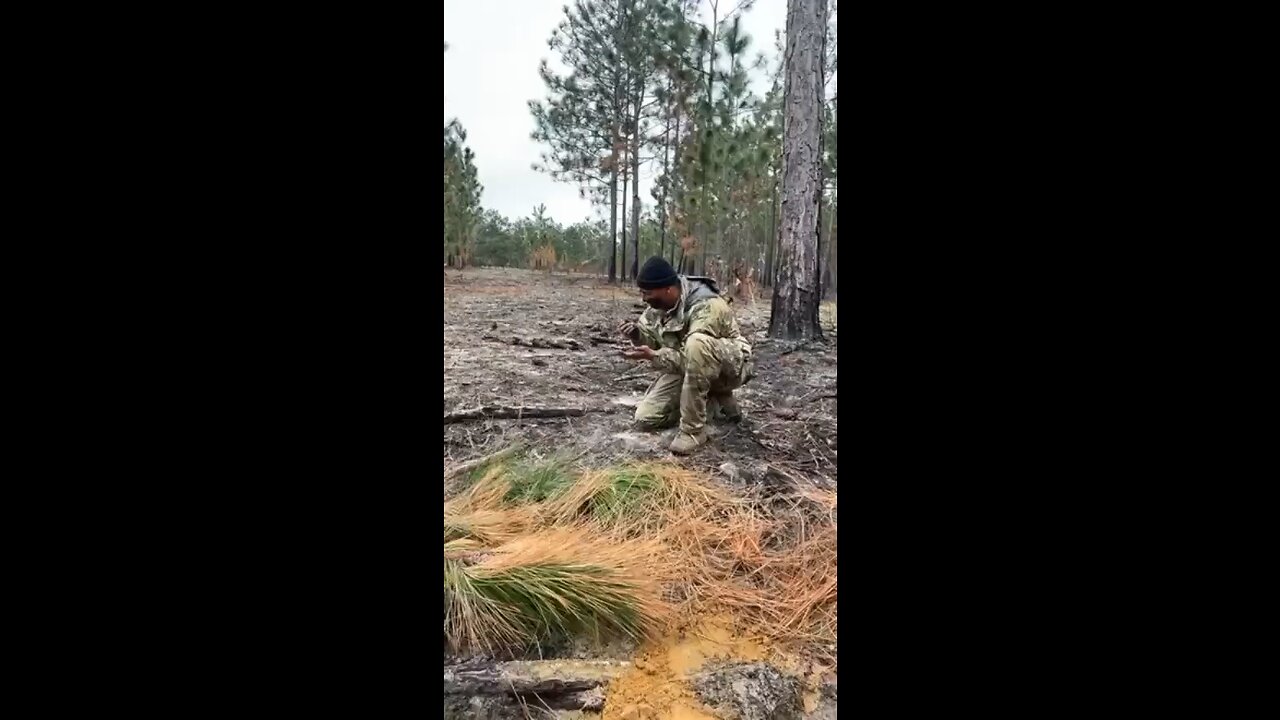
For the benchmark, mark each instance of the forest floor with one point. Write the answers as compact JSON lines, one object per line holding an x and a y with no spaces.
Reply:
{"x":789,"y":408}
{"x":516,"y":340}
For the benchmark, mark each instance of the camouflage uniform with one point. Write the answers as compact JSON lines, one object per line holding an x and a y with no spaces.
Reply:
{"x":701,"y":354}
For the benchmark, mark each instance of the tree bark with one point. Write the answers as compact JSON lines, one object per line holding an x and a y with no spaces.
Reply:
{"x":797,"y":294}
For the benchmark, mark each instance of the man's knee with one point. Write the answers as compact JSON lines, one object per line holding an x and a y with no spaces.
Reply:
{"x":701,"y":356}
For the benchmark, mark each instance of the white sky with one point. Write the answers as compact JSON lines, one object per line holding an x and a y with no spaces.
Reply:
{"x":490,"y":74}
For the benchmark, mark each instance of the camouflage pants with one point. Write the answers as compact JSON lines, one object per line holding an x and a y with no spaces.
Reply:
{"x":712,"y":367}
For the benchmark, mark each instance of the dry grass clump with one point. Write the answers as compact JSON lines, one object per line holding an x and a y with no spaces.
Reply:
{"x":768,"y":560}
{"x":485,"y":493}
{"x":514,"y":575}
{"x":567,"y":581}
{"x":472,"y":619}
{"x":788,"y":592}
{"x":634,"y":499}
{"x":537,"y":552}
{"x":491,"y":527}
{"x":556,"y":582}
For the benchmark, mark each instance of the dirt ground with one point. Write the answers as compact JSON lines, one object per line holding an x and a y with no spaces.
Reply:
{"x":520,"y":339}
{"x":568,"y":357}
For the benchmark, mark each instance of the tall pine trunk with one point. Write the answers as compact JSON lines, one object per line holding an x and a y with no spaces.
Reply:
{"x":635,"y":181}
{"x":676,"y":161}
{"x":828,"y":219}
{"x":833,"y":273}
{"x":613,"y":225}
{"x":770,"y":266}
{"x":666,"y":179}
{"x":704,"y":136}
{"x":797,"y":294}
{"x":662,"y":199}
{"x":624,"y":220}
{"x":613,"y":156}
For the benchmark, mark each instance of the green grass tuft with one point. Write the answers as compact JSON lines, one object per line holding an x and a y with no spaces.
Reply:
{"x":537,"y":481}
{"x":626,"y":491}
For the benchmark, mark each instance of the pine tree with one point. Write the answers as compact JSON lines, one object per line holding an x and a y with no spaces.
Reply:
{"x":462,"y":191}
{"x":830,"y":178}
{"x":676,"y":83}
{"x":829,"y":268}
{"x":650,"y":82}
{"x":641,"y":29}
{"x":581,"y":120}
{"x":797,"y":293}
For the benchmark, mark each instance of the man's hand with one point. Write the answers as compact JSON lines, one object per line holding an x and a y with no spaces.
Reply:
{"x":630,"y":330}
{"x":640,"y":352}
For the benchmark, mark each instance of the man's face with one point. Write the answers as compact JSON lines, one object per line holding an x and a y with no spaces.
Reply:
{"x":662,"y":298}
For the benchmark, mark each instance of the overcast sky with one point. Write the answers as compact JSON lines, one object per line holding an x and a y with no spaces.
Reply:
{"x":491,"y":73}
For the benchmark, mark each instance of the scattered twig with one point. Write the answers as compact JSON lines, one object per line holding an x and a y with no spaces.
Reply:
{"x":505,"y":413}
{"x":632,"y":375}
{"x":470,"y":465}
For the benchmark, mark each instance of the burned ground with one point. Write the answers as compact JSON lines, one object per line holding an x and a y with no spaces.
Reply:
{"x":518,"y":339}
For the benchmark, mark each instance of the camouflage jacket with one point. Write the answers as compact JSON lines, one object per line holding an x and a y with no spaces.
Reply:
{"x":700,"y":310}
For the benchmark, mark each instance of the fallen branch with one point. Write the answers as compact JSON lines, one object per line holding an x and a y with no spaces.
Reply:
{"x":561,"y":684}
{"x":565,"y":344}
{"x":634,"y":374}
{"x":470,"y":465}
{"x":498,"y":412}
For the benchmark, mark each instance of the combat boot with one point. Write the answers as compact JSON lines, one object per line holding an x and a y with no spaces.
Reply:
{"x":729,"y":407}
{"x":723,"y":406}
{"x":684,"y":444}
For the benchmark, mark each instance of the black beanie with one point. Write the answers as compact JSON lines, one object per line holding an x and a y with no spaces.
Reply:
{"x":657,"y":273}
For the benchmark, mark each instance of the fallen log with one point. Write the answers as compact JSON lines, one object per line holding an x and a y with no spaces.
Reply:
{"x":560,"y":684}
{"x":499,"y":412}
